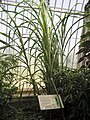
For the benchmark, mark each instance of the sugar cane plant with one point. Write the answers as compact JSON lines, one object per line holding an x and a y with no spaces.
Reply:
{"x":45,"y":42}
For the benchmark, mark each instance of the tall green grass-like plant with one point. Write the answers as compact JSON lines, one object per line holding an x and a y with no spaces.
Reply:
{"x":44,"y":42}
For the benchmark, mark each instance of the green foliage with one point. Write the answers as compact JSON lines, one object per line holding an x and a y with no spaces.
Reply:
{"x":85,"y":46}
{"x":7,"y":78}
{"x":47,"y":42}
{"x":74,"y":86}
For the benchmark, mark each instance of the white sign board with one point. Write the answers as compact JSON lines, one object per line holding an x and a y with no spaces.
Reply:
{"x":47,"y":102}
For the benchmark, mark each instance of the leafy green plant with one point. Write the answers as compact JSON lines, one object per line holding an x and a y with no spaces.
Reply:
{"x":7,"y":80}
{"x":74,"y":87}
{"x":85,"y":49}
{"x":7,"y":76}
{"x":47,"y":42}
